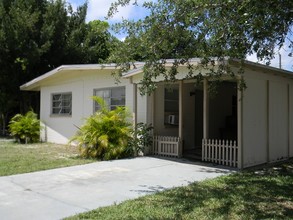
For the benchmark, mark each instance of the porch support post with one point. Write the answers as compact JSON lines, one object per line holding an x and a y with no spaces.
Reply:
{"x":153,"y":107}
{"x":134,"y":106}
{"x":240,"y":127}
{"x":180,"y":117}
{"x":205,"y":109}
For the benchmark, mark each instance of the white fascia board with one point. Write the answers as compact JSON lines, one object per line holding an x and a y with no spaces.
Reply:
{"x":133,"y":72}
{"x":194,"y":61}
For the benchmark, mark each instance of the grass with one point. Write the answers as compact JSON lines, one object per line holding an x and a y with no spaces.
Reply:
{"x":20,"y":158}
{"x":265,"y":193}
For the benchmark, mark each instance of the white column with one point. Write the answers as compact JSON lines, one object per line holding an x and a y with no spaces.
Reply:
{"x":239,"y":128}
{"x":180,"y":130}
{"x":205,"y":109}
{"x":134,"y":110}
{"x":153,"y":98}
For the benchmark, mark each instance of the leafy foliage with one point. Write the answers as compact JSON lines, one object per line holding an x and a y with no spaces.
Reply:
{"x":39,"y":35}
{"x":25,"y":128}
{"x":106,"y":134}
{"x":142,"y":138}
{"x":209,"y":29}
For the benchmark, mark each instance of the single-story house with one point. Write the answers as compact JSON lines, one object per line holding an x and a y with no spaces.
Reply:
{"x":234,"y":128}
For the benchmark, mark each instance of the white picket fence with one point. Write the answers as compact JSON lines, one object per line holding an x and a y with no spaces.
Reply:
{"x":166,"y":146}
{"x":222,"y":152}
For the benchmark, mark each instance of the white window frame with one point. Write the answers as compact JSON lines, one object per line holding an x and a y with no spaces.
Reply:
{"x":61,"y":104}
{"x":107,"y":96}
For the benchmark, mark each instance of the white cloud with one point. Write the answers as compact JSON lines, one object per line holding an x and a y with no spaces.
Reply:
{"x":98,"y":9}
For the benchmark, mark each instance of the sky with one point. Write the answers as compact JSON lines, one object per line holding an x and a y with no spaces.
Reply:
{"x":97,"y":9}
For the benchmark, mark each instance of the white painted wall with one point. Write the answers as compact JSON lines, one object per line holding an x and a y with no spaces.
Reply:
{"x":266,"y":115}
{"x":59,"y":129}
{"x":254,"y":122}
{"x":278,"y":120}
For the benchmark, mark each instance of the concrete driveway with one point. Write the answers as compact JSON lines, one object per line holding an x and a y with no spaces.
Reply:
{"x":58,"y":193}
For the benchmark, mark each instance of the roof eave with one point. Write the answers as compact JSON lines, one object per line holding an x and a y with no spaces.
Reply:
{"x":284,"y":72}
{"x":34,"y":85}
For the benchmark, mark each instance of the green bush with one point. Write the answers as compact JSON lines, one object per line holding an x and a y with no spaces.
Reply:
{"x":106,"y":134}
{"x":25,"y":128}
{"x":143,"y":140}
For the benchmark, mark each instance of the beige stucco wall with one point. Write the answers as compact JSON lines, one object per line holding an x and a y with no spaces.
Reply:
{"x":278,"y":120}
{"x":160,"y":127}
{"x":59,"y":129}
{"x":265,"y":121}
{"x":254,"y":122}
{"x":188,"y":116}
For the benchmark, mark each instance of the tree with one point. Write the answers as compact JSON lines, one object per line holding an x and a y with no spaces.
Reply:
{"x":98,"y":43}
{"x":37,"y":36}
{"x":208,"y":29}
{"x":18,"y":49}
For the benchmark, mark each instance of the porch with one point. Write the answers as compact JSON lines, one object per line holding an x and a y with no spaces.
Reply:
{"x":196,"y":125}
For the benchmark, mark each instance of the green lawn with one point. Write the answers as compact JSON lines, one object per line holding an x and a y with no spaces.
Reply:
{"x":265,"y":193}
{"x":20,"y":158}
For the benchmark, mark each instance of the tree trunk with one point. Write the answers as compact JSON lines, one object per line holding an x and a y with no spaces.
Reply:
{"x":3,"y":124}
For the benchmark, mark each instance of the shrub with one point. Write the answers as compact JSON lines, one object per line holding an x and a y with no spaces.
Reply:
{"x":143,"y":140}
{"x":25,"y":128}
{"x":106,"y":134}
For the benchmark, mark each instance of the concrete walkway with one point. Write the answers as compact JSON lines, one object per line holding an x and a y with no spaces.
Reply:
{"x":58,"y":193}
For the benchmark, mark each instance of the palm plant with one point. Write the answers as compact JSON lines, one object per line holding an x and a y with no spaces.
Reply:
{"x":106,"y":134}
{"x":25,"y":128}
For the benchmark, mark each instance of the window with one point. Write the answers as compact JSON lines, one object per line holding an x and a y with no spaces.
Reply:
{"x":113,"y":96}
{"x":171,"y":105}
{"x":62,"y":104}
